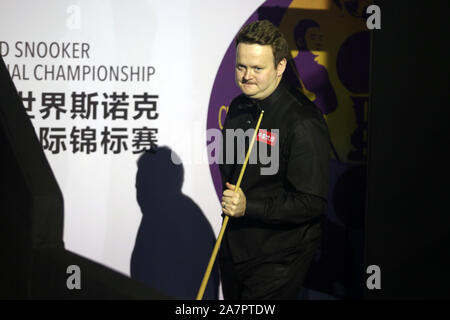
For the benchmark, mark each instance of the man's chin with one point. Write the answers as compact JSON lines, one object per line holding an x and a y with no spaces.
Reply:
{"x":248,"y":92}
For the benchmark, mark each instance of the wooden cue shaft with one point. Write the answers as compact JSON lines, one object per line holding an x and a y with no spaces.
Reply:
{"x":201,"y":291}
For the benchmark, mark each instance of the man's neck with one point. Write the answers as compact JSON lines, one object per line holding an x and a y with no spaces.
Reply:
{"x":277,"y":83}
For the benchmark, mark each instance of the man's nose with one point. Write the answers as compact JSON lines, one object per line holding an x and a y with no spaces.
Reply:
{"x":247,"y":74}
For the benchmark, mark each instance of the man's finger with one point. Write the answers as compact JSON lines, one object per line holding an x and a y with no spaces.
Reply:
{"x":230,"y":186}
{"x":228,"y":193}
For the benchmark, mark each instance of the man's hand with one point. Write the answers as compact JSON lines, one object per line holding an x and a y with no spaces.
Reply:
{"x":233,"y":203}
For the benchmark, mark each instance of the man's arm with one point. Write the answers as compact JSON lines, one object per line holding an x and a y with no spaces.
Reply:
{"x":307,"y":173}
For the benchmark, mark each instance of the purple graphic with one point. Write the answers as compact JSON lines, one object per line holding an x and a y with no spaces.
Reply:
{"x":313,"y":75}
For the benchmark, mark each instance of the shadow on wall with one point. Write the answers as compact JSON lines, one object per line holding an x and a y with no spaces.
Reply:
{"x":174,"y":240}
{"x":338,"y":268}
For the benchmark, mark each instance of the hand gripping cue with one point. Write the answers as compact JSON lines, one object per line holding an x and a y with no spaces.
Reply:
{"x":201,"y":291}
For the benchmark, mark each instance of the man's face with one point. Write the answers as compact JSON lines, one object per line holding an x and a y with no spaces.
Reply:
{"x":256,"y":74}
{"x":314,"y":39}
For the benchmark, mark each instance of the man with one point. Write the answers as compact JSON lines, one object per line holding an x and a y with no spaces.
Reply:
{"x":274,"y":227}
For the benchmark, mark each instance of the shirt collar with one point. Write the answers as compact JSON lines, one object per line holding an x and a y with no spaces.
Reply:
{"x":269,"y":102}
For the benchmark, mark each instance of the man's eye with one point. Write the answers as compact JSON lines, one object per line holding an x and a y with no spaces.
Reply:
{"x":258,"y":68}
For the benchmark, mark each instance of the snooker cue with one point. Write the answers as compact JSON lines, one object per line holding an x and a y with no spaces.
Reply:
{"x":201,"y":291}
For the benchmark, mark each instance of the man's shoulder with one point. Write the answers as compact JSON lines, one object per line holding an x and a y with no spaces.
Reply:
{"x":305,"y":119}
{"x":300,"y":108}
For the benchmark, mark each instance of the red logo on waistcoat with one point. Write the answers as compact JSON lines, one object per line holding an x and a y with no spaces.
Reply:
{"x":266,"y":137}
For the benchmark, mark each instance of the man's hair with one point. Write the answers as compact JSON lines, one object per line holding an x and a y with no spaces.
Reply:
{"x":263,"y":32}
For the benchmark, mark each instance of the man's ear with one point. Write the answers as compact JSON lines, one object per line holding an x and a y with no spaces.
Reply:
{"x":281,"y":67}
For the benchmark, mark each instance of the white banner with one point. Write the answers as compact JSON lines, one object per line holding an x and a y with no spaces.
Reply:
{"x":104,"y":80}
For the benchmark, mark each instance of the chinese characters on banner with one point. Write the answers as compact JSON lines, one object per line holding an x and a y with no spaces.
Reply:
{"x":86,"y":106}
